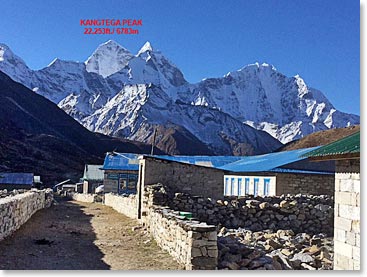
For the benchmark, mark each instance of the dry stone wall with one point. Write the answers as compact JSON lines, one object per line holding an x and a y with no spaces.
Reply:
{"x":82,"y":197}
{"x":191,"y":242}
{"x":125,"y":204}
{"x":17,"y":209}
{"x":300,"y":213}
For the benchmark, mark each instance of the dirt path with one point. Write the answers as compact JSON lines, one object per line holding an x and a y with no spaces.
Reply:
{"x":75,"y":235}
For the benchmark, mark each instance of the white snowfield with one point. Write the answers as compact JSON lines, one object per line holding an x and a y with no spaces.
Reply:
{"x":117,"y":93}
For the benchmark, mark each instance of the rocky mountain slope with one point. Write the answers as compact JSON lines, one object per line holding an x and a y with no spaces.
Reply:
{"x":37,"y":136}
{"x":117,"y":93}
{"x":320,"y":138}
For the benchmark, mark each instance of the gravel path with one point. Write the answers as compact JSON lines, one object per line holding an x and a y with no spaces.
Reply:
{"x":75,"y":235}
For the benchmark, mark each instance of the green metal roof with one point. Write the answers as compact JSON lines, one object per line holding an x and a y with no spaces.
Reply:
{"x":347,"y":145}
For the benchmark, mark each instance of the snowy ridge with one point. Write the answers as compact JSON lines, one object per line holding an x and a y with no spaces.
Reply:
{"x":109,"y":58}
{"x":117,"y":93}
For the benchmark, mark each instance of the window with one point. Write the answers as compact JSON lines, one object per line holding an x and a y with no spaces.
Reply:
{"x":256,"y":186}
{"x":247,"y":186}
{"x":127,"y":182}
{"x":226,"y":187}
{"x":240,"y":191}
{"x":232,"y":186}
{"x":266,"y":186}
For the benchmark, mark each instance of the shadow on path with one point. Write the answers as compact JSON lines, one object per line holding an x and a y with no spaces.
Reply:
{"x":60,"y":237}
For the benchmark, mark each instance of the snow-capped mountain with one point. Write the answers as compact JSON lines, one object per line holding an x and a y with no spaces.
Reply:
{"x":265,"y":99}
{"x":137,"y":109}
{"x":109,"y":58}
{"x":117,"y":93}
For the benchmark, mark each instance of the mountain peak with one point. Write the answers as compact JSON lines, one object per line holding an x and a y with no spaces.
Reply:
{"x":146,"y":47}
{"x":109,"y":58}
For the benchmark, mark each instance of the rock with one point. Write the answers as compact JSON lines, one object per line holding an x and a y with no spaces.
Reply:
{"x":308,"y":267}
{"x":322,"y":208}
{"x":315,"y":242}
{"x":284,"y":234}
{"x":232,"y":258}
{"x":279,"y":216}
{"x":301,"y":238}
{"x":274,"y":244}
{"x":303,"y":257}
{"x":286,"y":252}
{"x":284,"y":204}
{"x":264,"y":205}
{"x":244,"y":262}
{"x":233,"y":266}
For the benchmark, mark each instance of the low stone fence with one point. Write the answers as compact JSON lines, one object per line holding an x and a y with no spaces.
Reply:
{"x":82,"y":197}
{"x":300,"y":213}
{"x":126,"y":205}
{"x":191,"y":243}
{"x":17,"y":209}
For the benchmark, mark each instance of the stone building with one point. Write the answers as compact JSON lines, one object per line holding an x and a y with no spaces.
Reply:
{"x":92,"y":177}
{"x":278,"y":173}
{"x":346,"y":153}
{"x":120,"y":172}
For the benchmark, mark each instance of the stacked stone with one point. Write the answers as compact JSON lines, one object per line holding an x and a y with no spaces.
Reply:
{"x":347,"y":216}
{"x":125,"y":204}
{"x":301,"y":213}
{"x":16,"y":210}
{"x":6,"y":193}
{"x":283,"y":250}
{"x":190,"y":242}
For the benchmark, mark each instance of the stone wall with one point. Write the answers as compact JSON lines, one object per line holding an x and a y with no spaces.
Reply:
{"x":17,"y":209}
{"x":315,"y":184}
{"x":192,"y":243}
{"x":300,"y":213}
{"x":196,"y":180}
{"x":347,"y":215}
{"x":125,"y":204}
{"x":82,"y":197}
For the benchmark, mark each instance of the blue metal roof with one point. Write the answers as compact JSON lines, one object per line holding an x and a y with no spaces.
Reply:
{"x":121,"y":161}
{"x":267,"y":162}
{"x":16,"y":178}
{"x":209,"y":161}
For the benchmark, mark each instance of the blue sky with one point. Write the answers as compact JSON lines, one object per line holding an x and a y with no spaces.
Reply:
{"x":319,"y":40}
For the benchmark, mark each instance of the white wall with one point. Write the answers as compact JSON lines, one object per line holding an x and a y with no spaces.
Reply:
{"x":260,"y":187}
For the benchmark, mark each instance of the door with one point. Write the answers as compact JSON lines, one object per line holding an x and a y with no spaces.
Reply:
{"x":256,"y":186}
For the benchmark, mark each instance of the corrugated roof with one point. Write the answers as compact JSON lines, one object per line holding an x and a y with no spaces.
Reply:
{"x":121,"y":161}
{"x":16,"y":178}
{"x":348,"y":145}
{"x":267,"y":162}
{"x":208,"y":161}
{"x":93,"y":172}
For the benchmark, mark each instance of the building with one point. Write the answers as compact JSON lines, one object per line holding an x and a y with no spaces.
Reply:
{"x":346,"y":153}
{"x":120,"y":173}
{"x":285,"y":172}
{"x":270,"y":174}
{"x":12,"y":181}
{"x":93,"y":177}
